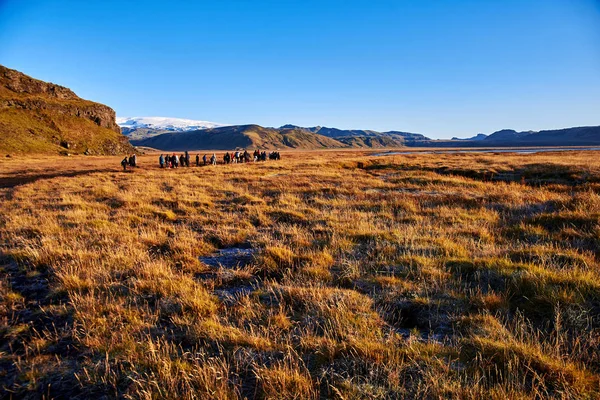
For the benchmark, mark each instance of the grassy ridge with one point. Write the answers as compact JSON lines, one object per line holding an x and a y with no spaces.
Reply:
{"x":420,"y":276}
{"x":44,"y":118}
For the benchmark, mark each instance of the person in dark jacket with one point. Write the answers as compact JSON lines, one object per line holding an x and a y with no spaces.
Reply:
{"x":161,"y":161}
{"x":197,"y":160}
{"x":124,"y":163}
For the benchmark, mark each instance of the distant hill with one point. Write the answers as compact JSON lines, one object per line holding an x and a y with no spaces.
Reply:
{"x":579,"y":136}
{"x":41,"y":117}
{"x":137,"y":128}
{"x":239,"y":137}
{"x":379,"y":141}
{"x":479,"y":136}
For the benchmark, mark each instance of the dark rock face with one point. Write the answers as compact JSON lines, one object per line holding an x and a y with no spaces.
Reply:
{"x":21,"y":83}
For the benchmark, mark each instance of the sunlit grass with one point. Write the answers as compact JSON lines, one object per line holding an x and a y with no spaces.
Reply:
{"x":418,"y":276}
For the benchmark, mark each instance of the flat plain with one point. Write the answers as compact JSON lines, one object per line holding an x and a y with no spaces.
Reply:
{"x":331,"y":274}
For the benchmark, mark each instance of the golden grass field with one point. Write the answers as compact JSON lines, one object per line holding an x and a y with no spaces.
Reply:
{"x":468,"y":276}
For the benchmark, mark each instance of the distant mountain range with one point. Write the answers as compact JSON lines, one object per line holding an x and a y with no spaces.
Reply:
{"x":188,"y":137}
{"x":286,"y":136}
{"x":239,"y":137}
{"x":579,"y":136}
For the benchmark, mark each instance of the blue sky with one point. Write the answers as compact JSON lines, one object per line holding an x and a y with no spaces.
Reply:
{"x":439,"y":67}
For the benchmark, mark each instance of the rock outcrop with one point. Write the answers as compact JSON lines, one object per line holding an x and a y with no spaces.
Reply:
{"x":42,"y":117}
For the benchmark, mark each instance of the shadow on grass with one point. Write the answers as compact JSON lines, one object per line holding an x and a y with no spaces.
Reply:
{"x":538,"y":174}
{"x":7,"y":182}
{"x":43,"y":315}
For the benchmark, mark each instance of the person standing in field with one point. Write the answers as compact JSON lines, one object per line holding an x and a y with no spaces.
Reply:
{"x":175,"y":160}
{"x":204,"y":159}
{"x":161,"y":161}
{"x":124,"y":163}
{"x":213,"y":159}
{"x":197,"y":160}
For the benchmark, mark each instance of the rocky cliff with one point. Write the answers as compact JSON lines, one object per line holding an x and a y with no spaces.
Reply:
{"x":42,"y":117}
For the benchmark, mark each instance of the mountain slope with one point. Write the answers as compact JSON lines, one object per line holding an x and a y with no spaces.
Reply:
{"x":239,"y":136}
{"x":365,"y":138}
{"x":379,"y":141}
{"x":41,"y":117}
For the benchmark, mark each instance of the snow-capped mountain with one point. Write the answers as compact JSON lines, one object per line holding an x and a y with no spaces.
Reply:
{"x":165,"y":123}
{"x":137,"y":128}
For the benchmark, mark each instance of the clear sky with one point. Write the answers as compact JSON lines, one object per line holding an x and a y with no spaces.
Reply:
{"x":439,"y":67}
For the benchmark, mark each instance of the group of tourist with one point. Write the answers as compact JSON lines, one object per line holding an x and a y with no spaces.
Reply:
{"x":129,"y":161}
{"x":183,"y":160}
{"x":174,"y":161}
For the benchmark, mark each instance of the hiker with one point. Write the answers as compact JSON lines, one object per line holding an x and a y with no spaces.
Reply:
{"x":204,"y":159}
{"x":197,"y":160}
{"x":231,"y":157}
{"x":187,"y":159}
{"x":246,"y":156}
{"x":237,"y":156}
{"x":175,"y":161}
{"x":182,"y":160}
{"x":213,"y":159}
{"x":134,"y":159}
{"x":161,"y":161}
{"x":124,"y":163}
{"x":226,"y":158}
